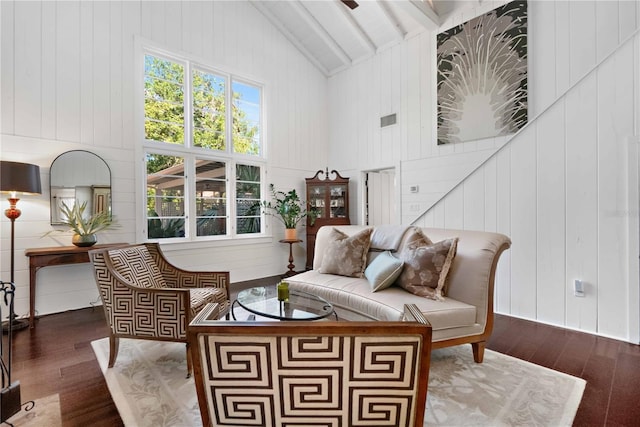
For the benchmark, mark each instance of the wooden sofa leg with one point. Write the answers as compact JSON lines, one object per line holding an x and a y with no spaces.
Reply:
{"x":114,"y":345}
{"x":478,"y":351}
{"x":189,"y":361}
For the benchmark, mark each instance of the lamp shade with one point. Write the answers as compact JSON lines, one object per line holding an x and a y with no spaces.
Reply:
{"x":19,"y":177}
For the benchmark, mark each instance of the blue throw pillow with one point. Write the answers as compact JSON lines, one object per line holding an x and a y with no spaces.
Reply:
{"x":383,"y":271}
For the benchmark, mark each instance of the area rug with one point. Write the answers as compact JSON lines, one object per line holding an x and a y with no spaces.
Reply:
{"x":149,"y":387}
{"x":44,"y":412}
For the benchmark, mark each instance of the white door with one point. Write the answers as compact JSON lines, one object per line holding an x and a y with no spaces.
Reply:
{"x":380,"y":197}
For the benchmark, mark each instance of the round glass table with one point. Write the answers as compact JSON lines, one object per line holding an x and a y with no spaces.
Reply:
{"x":263,"y":301}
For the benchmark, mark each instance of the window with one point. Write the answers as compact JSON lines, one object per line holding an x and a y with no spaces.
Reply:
{"x":165,"y":196}
{"x":164,"y":100}
{"x":248,"y":199}
{"x":204,"y":165}
{"x":211,"y":198}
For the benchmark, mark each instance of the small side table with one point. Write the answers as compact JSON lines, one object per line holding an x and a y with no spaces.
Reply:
{"x":291,"y":266}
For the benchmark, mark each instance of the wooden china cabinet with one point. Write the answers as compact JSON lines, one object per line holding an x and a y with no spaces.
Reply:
{"x":330,"y":199}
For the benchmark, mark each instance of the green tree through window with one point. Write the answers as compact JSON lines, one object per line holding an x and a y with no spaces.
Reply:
{"x":246,"y":119}
{"x":164,"y":100}
{"x":209,"y":110}
{"x":165,"y":112}
{"x":189,"y":106}
{"x":165,"y":196}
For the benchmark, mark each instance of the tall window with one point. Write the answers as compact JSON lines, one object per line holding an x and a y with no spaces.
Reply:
{"x":203,"y":151}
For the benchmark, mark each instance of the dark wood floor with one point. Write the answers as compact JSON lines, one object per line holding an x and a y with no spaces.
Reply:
{"x":56,"y":357}
{"x":610,"y":367}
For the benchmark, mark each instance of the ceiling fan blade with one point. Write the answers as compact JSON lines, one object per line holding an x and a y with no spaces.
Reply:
{"x":350,"y":4}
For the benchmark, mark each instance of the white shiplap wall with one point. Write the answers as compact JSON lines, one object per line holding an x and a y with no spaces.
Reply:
{"x":561,"y":190}
{"x":567,"y":182}
{"x":564,"y":189}
{"x":68,"y":82}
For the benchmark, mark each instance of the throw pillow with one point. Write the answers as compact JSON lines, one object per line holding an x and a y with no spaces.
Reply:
{"x":383,"y":271}
{"x":415,"y":236}
{"x":426,"y":267}
{"x":346,"y":255}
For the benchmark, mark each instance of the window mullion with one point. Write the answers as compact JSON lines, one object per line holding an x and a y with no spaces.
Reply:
{"x":231,"y":197}
{"x":229,"y":115}
{"x":190,"y":195}
{"x":188,"y":105}
{"x":190,"y":167}
{"x":231,"y":165}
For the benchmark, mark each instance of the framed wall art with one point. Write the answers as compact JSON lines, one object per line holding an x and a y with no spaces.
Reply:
{"x":482,"y":76}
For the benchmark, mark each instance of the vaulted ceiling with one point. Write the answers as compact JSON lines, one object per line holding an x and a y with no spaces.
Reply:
{"x":333,"y":36}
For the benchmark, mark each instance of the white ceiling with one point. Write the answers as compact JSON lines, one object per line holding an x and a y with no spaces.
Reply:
{"x":334,"y":37}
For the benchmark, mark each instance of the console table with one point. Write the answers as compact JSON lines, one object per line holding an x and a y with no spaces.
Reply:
{"x":58,"y":255}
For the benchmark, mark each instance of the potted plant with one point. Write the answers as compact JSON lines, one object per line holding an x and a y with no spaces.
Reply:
{"x":84,"y":226}
{"x":289,"y":209}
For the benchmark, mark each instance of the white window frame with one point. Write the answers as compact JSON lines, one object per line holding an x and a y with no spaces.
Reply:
{"x":190,"y":153}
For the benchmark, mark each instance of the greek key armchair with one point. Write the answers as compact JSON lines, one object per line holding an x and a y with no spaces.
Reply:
{"x":310,"y":373}
{"x":145,"y":297}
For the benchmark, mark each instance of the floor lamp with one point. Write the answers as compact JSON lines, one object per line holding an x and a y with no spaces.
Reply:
{"x":15,"y":178}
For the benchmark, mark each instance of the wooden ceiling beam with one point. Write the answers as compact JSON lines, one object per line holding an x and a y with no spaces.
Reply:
{"x":393,"y":21}
{"x":322,"y":32}
{"x":421,"y":12}
{"x":357,"y":28}
{"x":259,"y":5}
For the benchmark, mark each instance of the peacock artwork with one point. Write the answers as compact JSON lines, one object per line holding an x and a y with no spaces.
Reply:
{"x":482,"y":76}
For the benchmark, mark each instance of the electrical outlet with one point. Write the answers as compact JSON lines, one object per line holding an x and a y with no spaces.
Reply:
{"x":414,"y":208}
{"x":578,"y":288}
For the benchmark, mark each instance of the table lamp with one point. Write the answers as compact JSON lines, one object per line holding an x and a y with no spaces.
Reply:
{"x":17,"y":178}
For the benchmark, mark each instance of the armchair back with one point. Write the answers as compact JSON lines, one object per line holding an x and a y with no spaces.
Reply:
{"x":310,"y":373}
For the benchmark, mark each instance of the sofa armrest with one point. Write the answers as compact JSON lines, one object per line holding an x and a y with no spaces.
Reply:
{"x":471,"y":278}
{"x":413,"y":314}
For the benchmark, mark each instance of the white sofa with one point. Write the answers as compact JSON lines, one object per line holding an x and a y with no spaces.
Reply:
{"x":465,"y":315}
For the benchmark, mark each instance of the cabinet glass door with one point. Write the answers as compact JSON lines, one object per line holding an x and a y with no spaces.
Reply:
{"x":317,"y":196}
{"x":337,"y":201}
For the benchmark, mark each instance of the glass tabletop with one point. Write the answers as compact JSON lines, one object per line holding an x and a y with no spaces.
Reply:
{"x":263,"y":301}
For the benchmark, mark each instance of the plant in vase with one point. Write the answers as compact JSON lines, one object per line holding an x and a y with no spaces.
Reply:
{"x":289,"y":209}
{"x":84,"y":226}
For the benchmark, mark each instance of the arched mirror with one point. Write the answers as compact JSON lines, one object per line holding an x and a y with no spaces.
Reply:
{"x":79,"y":176}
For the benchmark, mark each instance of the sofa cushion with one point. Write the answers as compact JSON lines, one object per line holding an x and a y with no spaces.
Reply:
{"x":354,"y":295}
{"x":346,"y":255}
{"x":200,"y":297}
{"x":137,"y":266}
{"x":383,"y":271}
{"x":388,"y":237}
{"x":426,"y":267}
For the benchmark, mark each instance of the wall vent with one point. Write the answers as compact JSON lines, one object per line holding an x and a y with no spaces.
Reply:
{"x":388,"y":120}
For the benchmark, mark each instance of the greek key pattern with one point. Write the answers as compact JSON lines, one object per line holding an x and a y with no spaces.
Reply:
{"x":315,"y":381}
{"x":203,"y":296}
{"x":136,"y":265}
{"x":140,"y":312}
{"x":177,"y":278}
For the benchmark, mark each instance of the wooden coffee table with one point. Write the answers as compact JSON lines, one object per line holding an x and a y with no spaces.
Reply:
{"x":263,"y":301}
